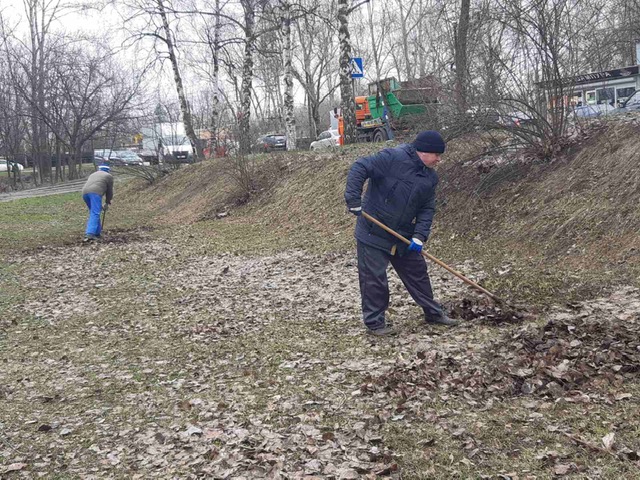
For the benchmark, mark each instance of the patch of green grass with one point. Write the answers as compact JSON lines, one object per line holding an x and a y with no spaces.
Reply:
{"x":56,"y":220}
{"x":32,"y":222}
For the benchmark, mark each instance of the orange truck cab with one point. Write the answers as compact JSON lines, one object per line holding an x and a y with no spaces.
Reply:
{"x":362,"y":110}
{"x":362,"y":113}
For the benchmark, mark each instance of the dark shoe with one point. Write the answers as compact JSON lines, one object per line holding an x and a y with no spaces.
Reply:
{"x":442,"y":320}
{"x":382,"y":332}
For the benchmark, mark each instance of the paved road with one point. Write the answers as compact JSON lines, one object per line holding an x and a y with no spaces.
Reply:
{"x":67,"y":187}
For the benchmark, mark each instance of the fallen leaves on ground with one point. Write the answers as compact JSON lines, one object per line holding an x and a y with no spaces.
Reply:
{"x":151,"y":358}
{"x":580,"y":350}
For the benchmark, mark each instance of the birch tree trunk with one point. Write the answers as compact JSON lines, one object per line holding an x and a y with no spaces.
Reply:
{"x":184,"y":106}
{"x":247,"y":77}
{"x":215,"y":114}
{"x":289,"y":114}
{"x":346,"y":92}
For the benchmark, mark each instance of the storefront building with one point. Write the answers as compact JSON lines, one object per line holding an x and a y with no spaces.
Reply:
{"x":605,"y":90}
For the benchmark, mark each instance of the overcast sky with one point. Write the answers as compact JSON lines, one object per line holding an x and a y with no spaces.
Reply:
{"x":89,"y":21}
{"x":107,"y":21}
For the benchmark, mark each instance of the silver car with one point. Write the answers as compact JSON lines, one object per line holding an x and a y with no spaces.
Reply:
{"x":632,"y":104}
{"x":327,"y":139}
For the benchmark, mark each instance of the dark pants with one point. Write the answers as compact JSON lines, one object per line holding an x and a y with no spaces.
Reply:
{"x":374,"y":288}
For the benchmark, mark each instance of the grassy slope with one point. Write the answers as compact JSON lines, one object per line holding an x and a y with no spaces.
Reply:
{"x":57,"y":220}
{"x":543,"y":231}
{"x":568,"y":229}
{"x":41,"y":220}
{"x":492,"y":218}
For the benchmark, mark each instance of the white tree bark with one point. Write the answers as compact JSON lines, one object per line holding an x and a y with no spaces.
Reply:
{"x":247,"y":77}
{"x":184,"y":106}
{"x":215,"y":80}
{"x":290,"y":119}
{"x":346,"y":90}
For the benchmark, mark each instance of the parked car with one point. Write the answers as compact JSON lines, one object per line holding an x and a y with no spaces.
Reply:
{"x":116,"y":158}
{"x":483,"y":115}
{"x":102,"y":157}
{"x":5,"y":165}
{"x":327,"y":139}
{"x":632,"y":104}
{"x":516,"y":119}
{"x":586,"y":111}
{"x":176,"y":149}
{"x":271,"y":142}
{"x":127,"y":157}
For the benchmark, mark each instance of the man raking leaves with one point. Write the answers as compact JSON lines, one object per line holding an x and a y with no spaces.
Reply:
{"x":99,"y":184}
{"x":402,"y":188}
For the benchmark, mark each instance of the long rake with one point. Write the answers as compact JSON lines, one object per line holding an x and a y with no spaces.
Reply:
{"x":495,"y":298}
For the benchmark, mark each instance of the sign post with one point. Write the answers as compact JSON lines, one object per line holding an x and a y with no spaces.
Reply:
{"x":355,"y":65}
{"x":357,"y":71}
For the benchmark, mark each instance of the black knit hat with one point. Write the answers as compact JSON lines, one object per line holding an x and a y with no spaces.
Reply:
{"x":429,"y":141}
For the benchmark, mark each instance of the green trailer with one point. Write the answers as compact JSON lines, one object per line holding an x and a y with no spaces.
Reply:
{"x":402,"y":99}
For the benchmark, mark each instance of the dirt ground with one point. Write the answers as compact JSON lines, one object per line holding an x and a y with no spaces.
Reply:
{"x":151,"y":356}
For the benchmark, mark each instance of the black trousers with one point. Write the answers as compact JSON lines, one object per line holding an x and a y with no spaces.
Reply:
{"x":374,"y":287}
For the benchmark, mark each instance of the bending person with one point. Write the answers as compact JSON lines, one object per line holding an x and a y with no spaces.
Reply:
{"x":401,"y":194}
{"x":99,"y":184}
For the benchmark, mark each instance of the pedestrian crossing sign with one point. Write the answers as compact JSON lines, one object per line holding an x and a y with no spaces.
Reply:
{"x":355,"y":65}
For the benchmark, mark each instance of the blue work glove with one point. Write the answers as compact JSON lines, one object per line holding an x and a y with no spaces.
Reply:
{"x":415,"y":245}
{"x":357,"y":211}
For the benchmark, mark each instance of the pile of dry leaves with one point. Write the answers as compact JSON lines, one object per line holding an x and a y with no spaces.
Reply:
{"x":578,"y":351}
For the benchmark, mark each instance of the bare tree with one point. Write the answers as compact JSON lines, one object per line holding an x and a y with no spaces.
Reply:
{"x":13,"y":121}
{"x":253,"y":25}
{"x":249,"y":9}
{"x":167,"y":37}
{"x":217,"y":36}
{"x":409,"y":16}
{"x":215,"y":45}
{"x":156,"y":17}
{"x":544,"y":58}
{"x":40,"y":15}
{"x":315,"y":65}
{"x":86,"y":96}
{"x":461,"y":32}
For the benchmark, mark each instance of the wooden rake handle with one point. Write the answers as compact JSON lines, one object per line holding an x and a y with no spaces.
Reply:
{"x":104,"y":214}
{"x":435,"y":260}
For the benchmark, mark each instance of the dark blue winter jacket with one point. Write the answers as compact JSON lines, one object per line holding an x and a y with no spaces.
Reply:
{"x":401,"y":194}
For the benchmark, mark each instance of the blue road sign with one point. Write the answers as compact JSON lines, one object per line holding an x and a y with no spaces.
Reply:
{"x":355,"y":64}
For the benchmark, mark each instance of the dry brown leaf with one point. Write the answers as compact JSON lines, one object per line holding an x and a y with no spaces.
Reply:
{"x":608,"y":440}
{"x":562,"y":468}
{"x":14,"y":467}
